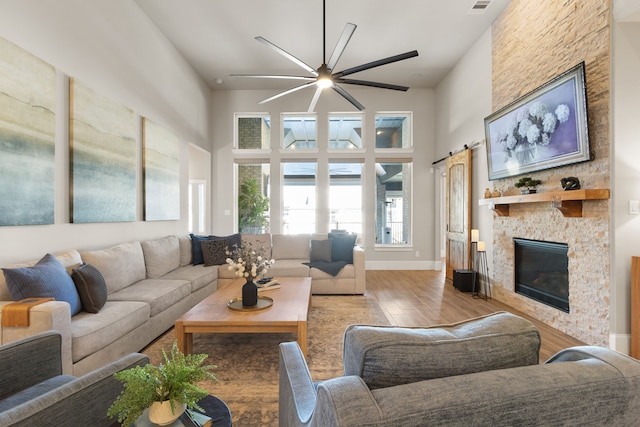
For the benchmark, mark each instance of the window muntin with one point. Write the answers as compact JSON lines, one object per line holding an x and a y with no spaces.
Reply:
{"x":393,"y":131}
{"x":393,"y":203}
{"x":299,"y":197}
{"x":299,"y":132}
{"x":345,"y":197}
{"x":345,"y":131}
{"x":252,"y":132}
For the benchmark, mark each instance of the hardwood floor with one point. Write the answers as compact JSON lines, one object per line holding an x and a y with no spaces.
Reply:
{"x":423,"y":298}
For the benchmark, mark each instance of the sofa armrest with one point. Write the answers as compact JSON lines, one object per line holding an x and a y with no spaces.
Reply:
{"x":82,"y":402}
{"x":52,"y":315}
{"x":43,"y":353}
{"x":297,"y":396}
{"x":359,"y":270}
{"x":387,"y":356}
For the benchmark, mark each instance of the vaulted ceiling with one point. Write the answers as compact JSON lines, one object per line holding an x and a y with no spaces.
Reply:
{"x":217,"y":37}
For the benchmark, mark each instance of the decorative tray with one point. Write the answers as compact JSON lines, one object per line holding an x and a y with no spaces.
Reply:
{"x":263,"y":302}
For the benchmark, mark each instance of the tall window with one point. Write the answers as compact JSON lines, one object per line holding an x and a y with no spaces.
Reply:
{"x":253,"y":132}
{"x":393,"y":130}
{"x":299,"y":198}
{"x":197,"y":188}
{"x":345,"y":131}
{"x":393,"y":203}
{"x":253,"y":198}
{"x":345,"y":197}
{"x":299,"y":132}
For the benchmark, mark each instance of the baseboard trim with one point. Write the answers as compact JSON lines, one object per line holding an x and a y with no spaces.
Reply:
{"x":401,"y":265}
{"x":620,"y":343}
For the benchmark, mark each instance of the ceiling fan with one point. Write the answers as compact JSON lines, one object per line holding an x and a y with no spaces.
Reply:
{"x":324,"y":77}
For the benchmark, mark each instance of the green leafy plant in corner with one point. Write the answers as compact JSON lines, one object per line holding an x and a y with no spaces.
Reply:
{"x":527,"y":182}
{"x":174,"y":380}
{"x":252,"y":206}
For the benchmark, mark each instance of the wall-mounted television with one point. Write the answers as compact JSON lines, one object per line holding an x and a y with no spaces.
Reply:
{"x":544,"y":129}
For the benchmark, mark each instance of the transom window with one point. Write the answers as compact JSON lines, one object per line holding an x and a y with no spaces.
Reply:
{"x":345,"y":131}
{"x":299,"y":132}
{"x":252,"y":132}
{"x":393,"y":130}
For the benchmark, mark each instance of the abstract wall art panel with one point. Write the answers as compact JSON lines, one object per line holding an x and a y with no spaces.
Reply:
{"x":27,"y":145}
{"x":161,"y":173}
{"x":102,"y":137}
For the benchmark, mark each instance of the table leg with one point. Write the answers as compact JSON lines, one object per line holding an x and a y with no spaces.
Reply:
{"x":185,"y":340}
{"x":302,"y":336}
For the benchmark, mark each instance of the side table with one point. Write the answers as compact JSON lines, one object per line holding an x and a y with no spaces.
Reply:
{"x":213,"y":407}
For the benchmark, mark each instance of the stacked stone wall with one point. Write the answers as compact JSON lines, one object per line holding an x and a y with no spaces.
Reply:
{"x":532,"y":43}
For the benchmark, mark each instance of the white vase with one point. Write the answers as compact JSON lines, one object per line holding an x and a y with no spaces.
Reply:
{"x":160,"y":413}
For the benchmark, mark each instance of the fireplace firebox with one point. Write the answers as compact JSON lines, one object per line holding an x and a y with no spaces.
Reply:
{"x":542,"y":272}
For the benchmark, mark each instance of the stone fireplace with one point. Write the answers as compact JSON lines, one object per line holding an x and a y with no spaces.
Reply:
{"x":542,"y":272}
{"x":526,"y":53}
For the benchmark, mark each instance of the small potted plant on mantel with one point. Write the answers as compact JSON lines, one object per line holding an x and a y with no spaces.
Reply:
{"x":529,"y":183}
{"x":167,"y":389}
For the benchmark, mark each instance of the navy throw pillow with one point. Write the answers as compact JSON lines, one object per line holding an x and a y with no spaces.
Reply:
{"x":48,"y":278}
{"x":196,"y":249}
{"x":342,"y":247}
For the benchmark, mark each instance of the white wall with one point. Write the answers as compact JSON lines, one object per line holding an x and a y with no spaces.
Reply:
{"x":463,"y":100}
{"x":419,"y":101}
{"x":114,"y":49}
{"x":626,"y":174}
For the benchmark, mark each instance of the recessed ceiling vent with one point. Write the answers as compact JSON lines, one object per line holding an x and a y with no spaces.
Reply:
{"x":479,"y":7}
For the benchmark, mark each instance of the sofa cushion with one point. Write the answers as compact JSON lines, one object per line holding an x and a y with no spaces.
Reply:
{"x":160,"y":294}
{"x":288,"y":268}
{"x":92,"y":332}
{"x":161,"y":255}
{"x":290,"y":246}
{"x":259,"y":241}
{"x":34,"y":392}
{"x":346,"y":272}
{"x":185,"y":250}
{"x":47,"y":278}
{"x":389,"y":356}
{"x":320,"y":250}
{"x":120,"y":265}
{"x":199,"y":275}
{"x":214,"y":252}
{"x":91,"y":287}
{"x":342,"y":247}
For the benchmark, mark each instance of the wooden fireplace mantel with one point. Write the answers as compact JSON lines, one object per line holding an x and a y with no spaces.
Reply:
{"x":567,"y":202}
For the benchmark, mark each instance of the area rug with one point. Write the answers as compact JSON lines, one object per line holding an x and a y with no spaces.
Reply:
{"x":248,"y":363}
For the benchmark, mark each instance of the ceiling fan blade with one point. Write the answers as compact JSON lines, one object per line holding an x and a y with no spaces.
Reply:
{"x":341,"y":45}
{"x":314,"y":100}
{"x":372,"y":84}
{"x":287,"y":55}
{"x":287,"y":92}
{"x":377,"y":63}
{"x":348,"y":97}
{"x":272,"y":76}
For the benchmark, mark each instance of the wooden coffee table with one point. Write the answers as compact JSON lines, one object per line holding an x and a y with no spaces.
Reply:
{"x":291,"y":304}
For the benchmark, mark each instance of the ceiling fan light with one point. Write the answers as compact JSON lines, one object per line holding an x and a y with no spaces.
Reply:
{"x":324,"y":82}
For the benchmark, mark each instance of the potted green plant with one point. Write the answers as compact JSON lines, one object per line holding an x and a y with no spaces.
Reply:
{"x":252,"y":207}
{"x":531,"y":185}
{"x":167,"y":389}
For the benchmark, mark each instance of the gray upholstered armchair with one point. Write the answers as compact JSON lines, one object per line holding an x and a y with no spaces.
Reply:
{"x":34,"y":392}
{"x":482,"y":372}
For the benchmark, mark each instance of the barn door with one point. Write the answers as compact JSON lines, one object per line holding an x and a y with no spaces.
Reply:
{"x":458,"y":211}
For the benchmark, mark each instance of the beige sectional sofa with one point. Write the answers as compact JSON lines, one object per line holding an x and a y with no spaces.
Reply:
{"x":152,"y":283}
{"x":291,"y":251}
